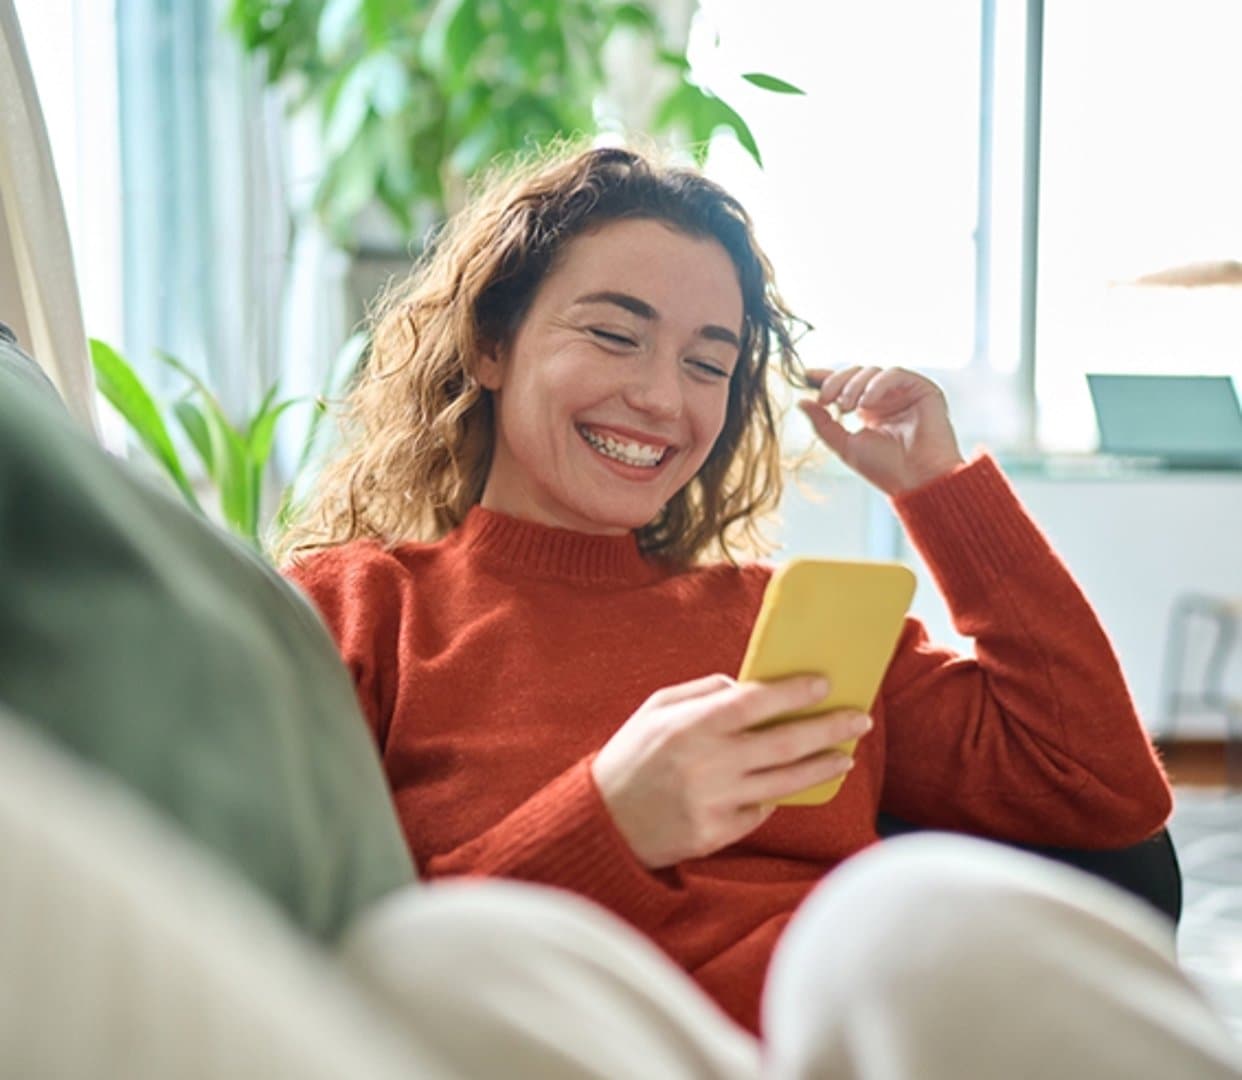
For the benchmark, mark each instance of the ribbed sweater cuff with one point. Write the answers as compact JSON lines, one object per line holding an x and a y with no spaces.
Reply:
{"x":574,"y":843}
{"x":970,"y":527}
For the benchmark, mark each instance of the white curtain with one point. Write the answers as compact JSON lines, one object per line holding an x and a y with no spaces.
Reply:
{"x":224,"y":266}
{"x":38,"y":287}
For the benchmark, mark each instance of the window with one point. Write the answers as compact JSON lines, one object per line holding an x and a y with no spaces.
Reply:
{"x":1142,"y":171}
{"x":890,"y":200}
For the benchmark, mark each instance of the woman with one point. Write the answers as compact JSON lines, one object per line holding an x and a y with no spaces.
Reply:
{"x":563,"y":426}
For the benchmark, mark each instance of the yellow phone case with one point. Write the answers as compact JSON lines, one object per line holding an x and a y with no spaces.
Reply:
{"x":840,"y":619}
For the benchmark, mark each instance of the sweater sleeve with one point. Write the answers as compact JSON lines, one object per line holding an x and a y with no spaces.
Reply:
{"x":1034,"y":739}
{"x":353,"y":588}
{"x":563,"y":835}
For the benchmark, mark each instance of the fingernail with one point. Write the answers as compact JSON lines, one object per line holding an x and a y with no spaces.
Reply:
{"x":818,"y":687}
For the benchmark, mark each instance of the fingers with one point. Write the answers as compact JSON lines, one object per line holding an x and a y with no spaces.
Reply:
{"x":746,"y":704}
{"x":885,"y":382}
{"x":834,"y":434}
{"x":896,"y":389}
{"x":752,"y":815}
{"x":864,"y":387}
{"x":785,"y":743}
{"x":855,"y":386}
{"x":766,"y":787}
{"x":833,"y":383}
{"x":708,"y":684}
{"x":843,"y":388}
{"x":840,"y":392}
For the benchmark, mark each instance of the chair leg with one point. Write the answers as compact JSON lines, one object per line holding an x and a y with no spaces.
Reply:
{"x":1171,"y":674}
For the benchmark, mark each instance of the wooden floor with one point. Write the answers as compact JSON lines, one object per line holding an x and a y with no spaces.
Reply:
{"x":1201,"y":762}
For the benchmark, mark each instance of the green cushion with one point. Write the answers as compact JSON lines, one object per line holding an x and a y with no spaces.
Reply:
{"x":19,"y":365}
{"x":157,"y":647}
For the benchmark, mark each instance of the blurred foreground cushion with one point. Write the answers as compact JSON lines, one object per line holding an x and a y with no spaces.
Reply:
{"x":159,"y":648}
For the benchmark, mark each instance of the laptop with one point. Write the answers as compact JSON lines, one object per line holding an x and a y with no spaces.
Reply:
{"x":1173,"y":421}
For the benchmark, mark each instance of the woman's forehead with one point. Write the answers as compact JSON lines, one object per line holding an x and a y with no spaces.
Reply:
{"x":650,"y":260}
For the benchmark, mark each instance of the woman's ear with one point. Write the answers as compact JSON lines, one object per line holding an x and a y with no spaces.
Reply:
{"x":489,"y":366}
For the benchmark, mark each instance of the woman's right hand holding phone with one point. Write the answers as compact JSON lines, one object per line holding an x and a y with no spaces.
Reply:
{"x":690,"y":773}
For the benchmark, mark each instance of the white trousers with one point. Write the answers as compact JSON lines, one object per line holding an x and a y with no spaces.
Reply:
{"x":932,"y":957}
{"x":126,"y":953}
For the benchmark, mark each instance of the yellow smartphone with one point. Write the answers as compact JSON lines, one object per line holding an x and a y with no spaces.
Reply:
{"x":835,"y":618}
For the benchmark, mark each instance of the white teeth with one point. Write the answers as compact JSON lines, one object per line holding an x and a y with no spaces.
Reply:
{"x":630,"y":453}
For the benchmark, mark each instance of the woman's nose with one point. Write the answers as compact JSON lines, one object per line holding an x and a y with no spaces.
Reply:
{"x":655,"y":388}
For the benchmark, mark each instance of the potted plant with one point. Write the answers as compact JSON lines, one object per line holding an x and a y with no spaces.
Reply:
{"x":414,"y":96}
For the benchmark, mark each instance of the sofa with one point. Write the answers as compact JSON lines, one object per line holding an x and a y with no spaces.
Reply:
{"x":191,"y":811}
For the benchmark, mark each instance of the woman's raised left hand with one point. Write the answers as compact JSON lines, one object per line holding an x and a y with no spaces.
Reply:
{"x":906,"y":438}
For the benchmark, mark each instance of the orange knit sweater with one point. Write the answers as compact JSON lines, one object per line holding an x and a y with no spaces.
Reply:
{"x":494,"y":663}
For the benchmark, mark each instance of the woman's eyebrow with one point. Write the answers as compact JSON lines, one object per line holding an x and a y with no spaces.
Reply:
{"x":644,"y":310}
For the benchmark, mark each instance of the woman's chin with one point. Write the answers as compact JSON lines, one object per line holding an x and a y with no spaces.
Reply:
{"x":618,"y":519}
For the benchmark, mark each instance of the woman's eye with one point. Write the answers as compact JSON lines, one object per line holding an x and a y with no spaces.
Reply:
{"x":613,"y":338}
{"x":708,"y":368}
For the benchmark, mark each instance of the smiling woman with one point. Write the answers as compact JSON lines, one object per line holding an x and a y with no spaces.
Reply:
{"x":565,"y":414}
{"x":615,"y":388}
{"x":639,"y":285}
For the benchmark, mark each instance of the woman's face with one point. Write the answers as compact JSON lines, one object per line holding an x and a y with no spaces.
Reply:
{"x":615,"y":387}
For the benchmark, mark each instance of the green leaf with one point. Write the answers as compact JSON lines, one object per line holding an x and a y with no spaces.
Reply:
{"x":741,"y":131}
{"x":349,"y":112}
{"x":674,"y":59}
{"x":124,"y":390}
{"x":341,"y":373}
{"x":478,"y":148}
{"x":453,"y":34}
{"x":389,"y":90}
{"x":230,"y":457}
{"x":397,"y":204}
{"x":264,"y":405}
{"x":399,"y":167}
{"x":235,"y":482}
{"x":192,"y":376}
{"x":338,"y":22}
{"x":380,"y":18}
{"x":771,"y":82}
{"x":711,"y":114}
{"x":467,"y":109}
{"x":263,"y":432}
{"x":680,"y":106}
{"x":466,"y":35}
{"x":194,"y":424}
{"x":231,"y":473}
{"x":636,"y":15}
{"x":350,"y":181}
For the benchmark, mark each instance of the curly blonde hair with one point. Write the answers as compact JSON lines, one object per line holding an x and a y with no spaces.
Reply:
{"x":418,"y":427}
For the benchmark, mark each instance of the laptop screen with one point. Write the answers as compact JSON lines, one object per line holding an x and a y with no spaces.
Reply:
{"x":1172,"y":417}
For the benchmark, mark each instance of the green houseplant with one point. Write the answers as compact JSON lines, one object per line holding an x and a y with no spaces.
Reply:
{"x":414,"y":96}
{"x":235,"y":458}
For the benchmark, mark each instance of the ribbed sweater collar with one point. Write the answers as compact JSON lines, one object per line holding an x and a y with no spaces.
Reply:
{"x":551,"y":552}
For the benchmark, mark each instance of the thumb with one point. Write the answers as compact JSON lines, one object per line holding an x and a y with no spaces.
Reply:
{"x":828,"y":429}
{"x":751,"y":817}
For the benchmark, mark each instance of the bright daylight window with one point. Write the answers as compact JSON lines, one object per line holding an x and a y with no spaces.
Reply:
{"x":889,"y":232}
{"x":1142,"y":172}
{"x":880,"y":181}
